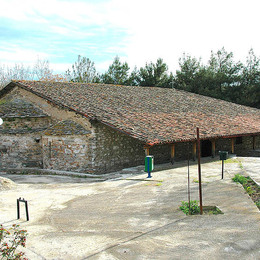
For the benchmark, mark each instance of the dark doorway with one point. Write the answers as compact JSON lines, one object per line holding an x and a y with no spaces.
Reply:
{"x":206,"y":148}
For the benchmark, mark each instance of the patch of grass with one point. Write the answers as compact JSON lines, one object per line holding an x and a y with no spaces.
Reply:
{"x":194,"y":207}
{"x":241,"y":179}
{"x":250,"y":187}
{"x":250,"y":190}
{"x":215,"y":211}
{"x":153,"y":184}
{"x":197,"y":181}
{"x":232,"y":160}
{"x":240,"y":165}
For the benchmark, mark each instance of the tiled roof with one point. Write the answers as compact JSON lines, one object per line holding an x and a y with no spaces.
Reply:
{"x":67,"y":127}
{"x":152,"y":115}
{"x":19,"y":108}
{"x":21,"y":130}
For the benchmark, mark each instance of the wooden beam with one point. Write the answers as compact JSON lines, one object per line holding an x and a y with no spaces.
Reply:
{"x":172,"y":153}
{"x":232,"y":145}
{"x":194,"y":151}
{"x":213,"y":152}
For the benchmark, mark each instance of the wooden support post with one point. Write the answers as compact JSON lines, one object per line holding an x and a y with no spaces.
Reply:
{"x":254,"y":142}
{"x":199,"y":171}
{"x":147,"y":150}
{"x":232,"y":145}
{"x":194,"y":151}
{"x":172,"y":153}
{"x":213,"y":153}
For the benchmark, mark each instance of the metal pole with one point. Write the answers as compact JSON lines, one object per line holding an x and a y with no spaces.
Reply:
{"x":222,"y":169}
{"x":148,"y":167}
{"x":189,"y":175}
{"x":199,"y":170}
{"x":26,"y":208}
{"x":18,"y":209}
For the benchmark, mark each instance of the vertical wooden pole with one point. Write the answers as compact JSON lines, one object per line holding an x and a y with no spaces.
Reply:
{"x":194,"y":151}
{"x":254,"y":142}
{"x":199,"y":170}
{"x":189,"y":175}
{"x":213,"y":153}
{"x":172,"y":153}
{"x":232,"y":145}
{"x":147,"y":150}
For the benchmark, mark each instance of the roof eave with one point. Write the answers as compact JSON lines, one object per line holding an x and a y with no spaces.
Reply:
{"x":203,"y":138}
{"x":8,"y":87}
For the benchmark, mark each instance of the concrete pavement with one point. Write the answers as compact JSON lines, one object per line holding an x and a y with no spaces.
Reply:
{"x":251,"y":167}
{"x":130,"y":217}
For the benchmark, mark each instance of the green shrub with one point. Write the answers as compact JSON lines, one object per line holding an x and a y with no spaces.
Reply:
{"x":240,"y":178}
{"x":194,"y":207}
{"x":249,"y":190}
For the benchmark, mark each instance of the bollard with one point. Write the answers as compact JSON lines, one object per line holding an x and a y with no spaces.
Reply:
{"x":223,"y":156}
{"x":26,"y":208}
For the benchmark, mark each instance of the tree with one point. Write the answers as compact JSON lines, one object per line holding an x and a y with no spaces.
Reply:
{"x":17,"y":72}
{"x":220,"y":78}
{"x":83,"y":70}
{"x":134,"y":77}
{"x":155,"y":75}
{"x":226,"y":73}
{"x":250,"y":81}
{"x":187,"y":77}
{"x":118,"y":73}
{"x":41,"y":70}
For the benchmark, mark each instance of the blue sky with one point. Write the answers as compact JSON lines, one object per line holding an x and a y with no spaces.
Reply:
{"x":138,"y":31}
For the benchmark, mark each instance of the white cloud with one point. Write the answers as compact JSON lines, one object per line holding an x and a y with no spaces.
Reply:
{"x":167,"y":28}
{"x":60,"y":68}
{"x":24,"y":55}
{"x":151,"y":28}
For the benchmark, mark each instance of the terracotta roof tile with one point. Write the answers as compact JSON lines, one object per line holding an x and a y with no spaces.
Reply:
{"x":152,"y":115}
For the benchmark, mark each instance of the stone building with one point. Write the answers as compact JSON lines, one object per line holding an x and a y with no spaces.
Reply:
{"x":97,"y":128}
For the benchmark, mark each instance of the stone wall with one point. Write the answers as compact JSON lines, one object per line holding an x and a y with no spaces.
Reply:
{"x":23,"y":142}
{"x":161,"y":153}
{"x":68,"y":153}
{"x":19,"y":151}
{"x":240,"y":148}
{"x":20,"y":142}
{"x":113,"y":150}
{"x":25,"y":125}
